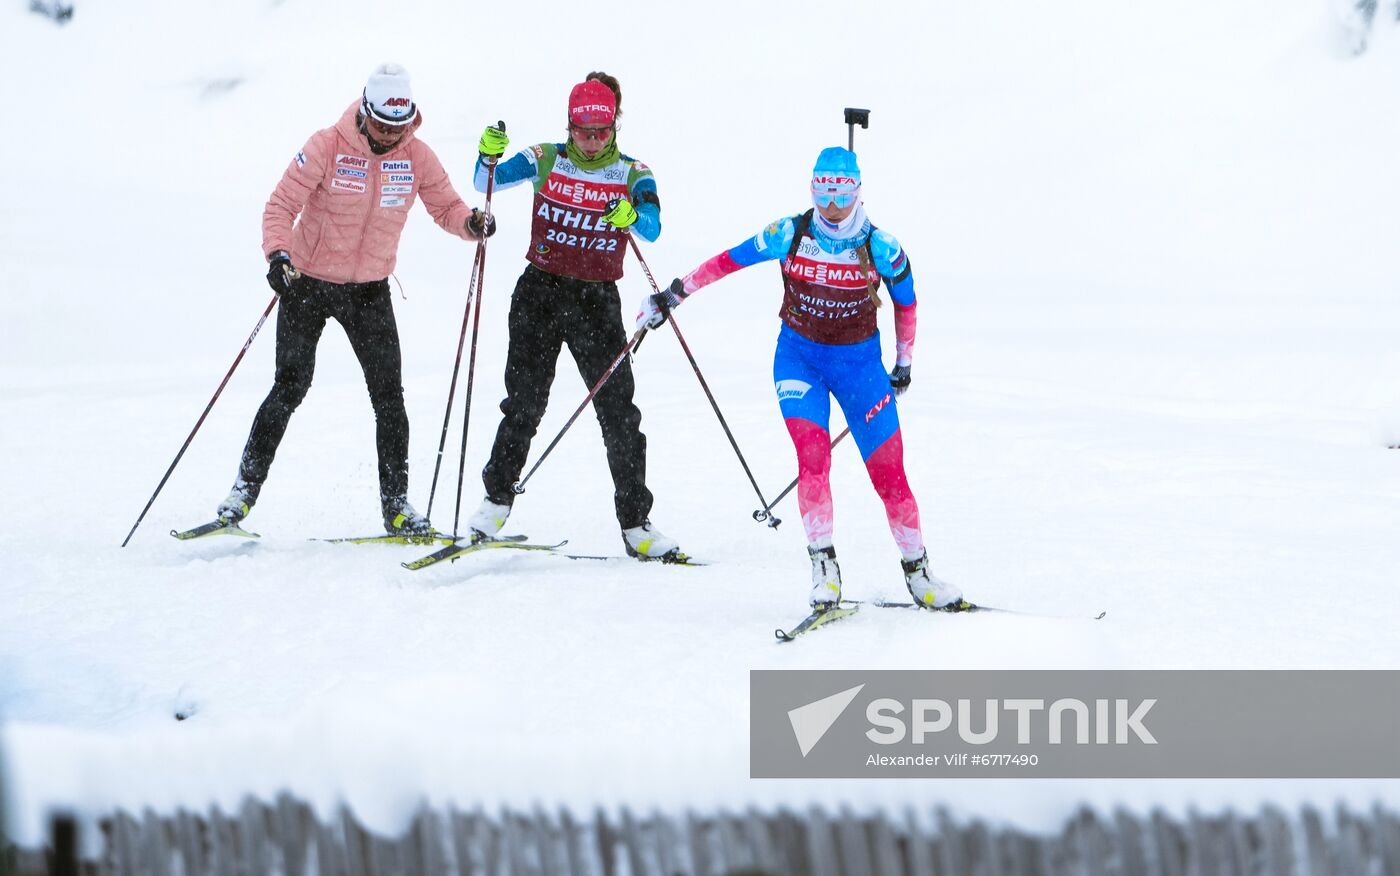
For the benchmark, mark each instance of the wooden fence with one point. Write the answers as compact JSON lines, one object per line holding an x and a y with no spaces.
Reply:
{"x":287,"y":838}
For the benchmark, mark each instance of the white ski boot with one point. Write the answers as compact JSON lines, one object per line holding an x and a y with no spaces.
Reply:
{"x":646,"y":542}
{"x":826,"y":578}
{"x":930,"y":592}
{"x":488,"y":520}
{"x":239,"y":501}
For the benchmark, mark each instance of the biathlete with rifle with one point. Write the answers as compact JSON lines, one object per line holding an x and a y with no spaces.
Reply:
{"x":833,"y":262}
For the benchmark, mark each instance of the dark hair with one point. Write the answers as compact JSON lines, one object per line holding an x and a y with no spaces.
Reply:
{"x":612,"y":84}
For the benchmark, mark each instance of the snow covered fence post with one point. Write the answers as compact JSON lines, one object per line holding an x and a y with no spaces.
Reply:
{"x":63,"y":838}
{"x":287,"y":836}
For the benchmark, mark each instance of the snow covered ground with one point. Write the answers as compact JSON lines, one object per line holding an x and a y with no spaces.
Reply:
{"x":1156,"y":373}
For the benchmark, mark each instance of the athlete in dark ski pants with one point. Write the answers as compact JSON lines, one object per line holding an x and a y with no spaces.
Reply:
{"x":590,"y":201}
{"x":548,"y":311}
{"x":366,"y":312}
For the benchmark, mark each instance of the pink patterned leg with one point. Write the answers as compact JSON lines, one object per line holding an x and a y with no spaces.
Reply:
{"x":886,"y":468}
{"x":813,"y":444}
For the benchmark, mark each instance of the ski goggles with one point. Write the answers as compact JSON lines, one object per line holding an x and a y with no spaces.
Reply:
{"x":384,"y":124}
{"x":599,"y":133}
{"x":384,"y":128}
{"x":842,"y":197}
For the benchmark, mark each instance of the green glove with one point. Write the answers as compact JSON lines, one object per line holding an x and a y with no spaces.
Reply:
{"x":620,"y":213}
{"x":493,"y":142}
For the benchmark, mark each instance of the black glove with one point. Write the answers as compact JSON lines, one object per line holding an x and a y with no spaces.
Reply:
{"x":477,"y":220}
{"x":280,"y":273}
{"x":899,"y":379}
{"x":672,"y":295}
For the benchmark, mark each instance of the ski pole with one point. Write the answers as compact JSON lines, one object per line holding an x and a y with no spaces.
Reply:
{"x":766,"y":512}
{"x":519,"y":486}
{"x":471,"y":357}
{"x":200,"y":422}
{"x":452,"y":387}
{"x":671,"y":317}
{"x":714,"y":404}
{"x":472,"y":289}
{"x":471,"y":382}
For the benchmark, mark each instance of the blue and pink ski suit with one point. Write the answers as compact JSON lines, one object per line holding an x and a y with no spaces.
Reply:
{"x":828,"y":347}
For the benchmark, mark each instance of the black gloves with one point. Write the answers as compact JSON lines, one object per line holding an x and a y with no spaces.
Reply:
{"x":479,"y":221}
{"x":672,"y":295}
{"x":280,"y":273}
{"x":899,"y":379}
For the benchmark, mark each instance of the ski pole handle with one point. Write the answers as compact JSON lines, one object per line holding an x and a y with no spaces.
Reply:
{"x":492,"y":159}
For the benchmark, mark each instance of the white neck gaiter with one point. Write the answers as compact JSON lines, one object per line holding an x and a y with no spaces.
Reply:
{"x":845,"y":229}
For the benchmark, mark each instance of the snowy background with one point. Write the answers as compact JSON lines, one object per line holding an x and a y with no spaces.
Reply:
{"x":1156,"y":374}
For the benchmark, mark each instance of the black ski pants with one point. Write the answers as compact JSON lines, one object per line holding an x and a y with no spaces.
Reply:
{"x":366,"y":312}
{"x":547,"y":312}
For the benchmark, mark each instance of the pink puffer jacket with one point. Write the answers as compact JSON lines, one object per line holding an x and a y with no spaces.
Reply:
{"x":353,"y":203}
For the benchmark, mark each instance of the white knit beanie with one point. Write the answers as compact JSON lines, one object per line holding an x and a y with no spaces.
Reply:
{"x":388,"y":96}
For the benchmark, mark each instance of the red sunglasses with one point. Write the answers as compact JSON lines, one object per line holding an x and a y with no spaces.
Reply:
{"x":582,"y":133}
{"x":385,"y":128}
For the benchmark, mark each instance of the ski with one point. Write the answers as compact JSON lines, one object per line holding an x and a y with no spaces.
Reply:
{"x":676,"y":559}
{"x":816,"y":619}
{"x":224,"y":527}
{"x":461,"y":548}
{"x":965,"y":607}
{"x":217,"y":527}
{"x":849,"y":607}
{"x":439,"y":538}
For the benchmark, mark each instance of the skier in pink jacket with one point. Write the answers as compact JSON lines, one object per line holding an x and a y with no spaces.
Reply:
{"x":331,"y":235}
